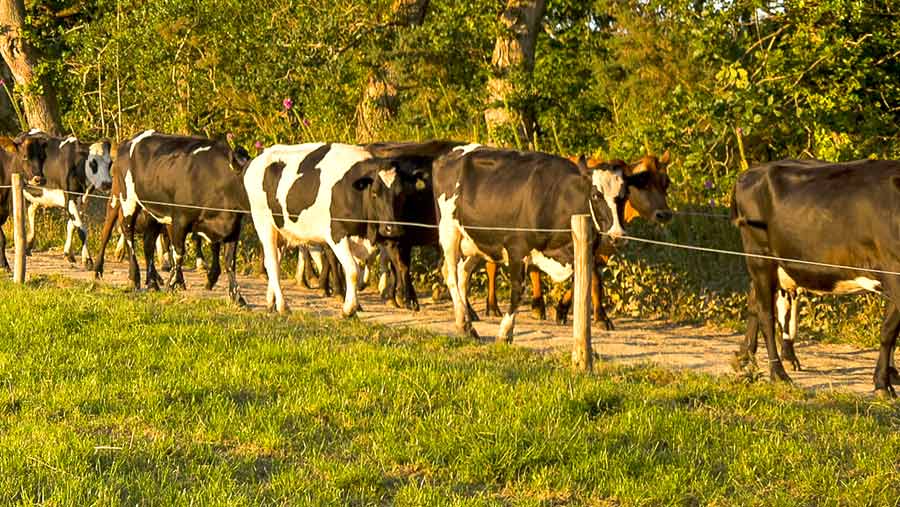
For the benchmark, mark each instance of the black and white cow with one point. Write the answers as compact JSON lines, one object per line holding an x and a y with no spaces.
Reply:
{"x":840,"y":214}
{"x":319,"y":193}
{"x":415,"y":162}
{"x":72,"y":170}
{"x":482,"y":193}
{"x":25,"y":157}
{"x":188,"y":184}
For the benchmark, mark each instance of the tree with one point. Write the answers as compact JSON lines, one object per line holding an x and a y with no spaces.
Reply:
{"x":514,"y":53}
{"x":380,"y":102}
{"x":37,"y":94}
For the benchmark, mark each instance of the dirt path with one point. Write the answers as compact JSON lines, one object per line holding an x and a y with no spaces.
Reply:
{"x":698,"y":348}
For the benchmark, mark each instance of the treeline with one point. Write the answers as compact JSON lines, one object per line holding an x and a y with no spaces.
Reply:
{"x":804,"y":78}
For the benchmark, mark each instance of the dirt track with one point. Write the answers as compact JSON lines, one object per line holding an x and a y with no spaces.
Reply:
{"x":698,"y":348}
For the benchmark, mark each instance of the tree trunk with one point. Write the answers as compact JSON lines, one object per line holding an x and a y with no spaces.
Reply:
{"x":380,"y":102}
{"x":513,"y":51}
{"x":38,"y":97}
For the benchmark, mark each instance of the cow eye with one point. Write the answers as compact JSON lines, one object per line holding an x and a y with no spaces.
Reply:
{"x":94,"y":166}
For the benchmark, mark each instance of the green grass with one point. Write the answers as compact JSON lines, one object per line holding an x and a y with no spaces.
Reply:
{"x":109,"y":397}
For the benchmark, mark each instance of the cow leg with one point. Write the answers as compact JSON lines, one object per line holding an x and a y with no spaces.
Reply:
{"x":178,"y":237}
{"x":305,"y":268}
{"x":119,"y":253}
{"x":464,"y":271}
{"x":786,"y":304}
{"x":109,"y":223}
{"x":234,"y":291}
{"x":163,"y":252}
{"x":268,"y":238}
{"x":516,"y":279}
{"x":884,"y":372}
{"x":4,"y":264}
{"x":215,"y":269}
{"x":151,"y":232}
{"x":200,"y":263}
{"x":389,"y":259}
{"x":491,"y":308}
{"x":538,"y":308}
{"x":746,"y":355}
{"x":404,"y":279}
{"x":449,"y":239}
{"x":563,"y":306}
{"x":29,"y":234}
{"x":351,"y":276}
{"x":598,"y":293}
{"x":78,"y":224}
{"x":134,"y":273}
{"x":762,"y":274}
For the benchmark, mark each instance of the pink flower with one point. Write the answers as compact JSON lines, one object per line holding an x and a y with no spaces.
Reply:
{"x":2,"y":82}
{"x":306,"y":121}
{"x":287,"y":103}
{"x":229,"y":136}
{"x":258,"y":145}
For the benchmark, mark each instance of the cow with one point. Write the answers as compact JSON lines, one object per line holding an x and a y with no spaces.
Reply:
{"x":647,"y":192}
{"x":826,"y":228}
{"x":187,"y":184}
{"x":414,"y":162}
{"x":513,"y":206}
{"x":323,"y":193}
{"x":72,"y":170}
{"x":23,"y":156}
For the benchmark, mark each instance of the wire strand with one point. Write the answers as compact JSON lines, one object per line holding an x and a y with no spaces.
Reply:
{"x":523,"y":229}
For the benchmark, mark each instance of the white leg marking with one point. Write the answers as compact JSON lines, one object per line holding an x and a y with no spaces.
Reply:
{"x":351,"y":274}
{"x":507,"y":326}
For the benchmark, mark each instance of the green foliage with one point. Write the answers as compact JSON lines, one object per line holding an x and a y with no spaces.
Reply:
{"x":201,"y":403}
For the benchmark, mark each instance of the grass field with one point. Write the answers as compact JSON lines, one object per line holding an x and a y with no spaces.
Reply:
{"x":109,"y":397}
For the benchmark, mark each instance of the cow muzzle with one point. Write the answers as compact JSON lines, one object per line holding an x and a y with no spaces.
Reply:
{"x":106,"y":186}
{"x":390,"y":230}
{"x":663,"y":216}
{"x":615,"y":235}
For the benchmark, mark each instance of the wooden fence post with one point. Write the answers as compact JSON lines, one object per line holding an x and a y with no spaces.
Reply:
{"x":582,"y":237}
{"x":18,"y":202}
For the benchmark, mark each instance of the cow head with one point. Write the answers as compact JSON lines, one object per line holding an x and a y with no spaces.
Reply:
{"x":609,"y":193}
{"x":648,"y":184}
{"x":29,"y":154}
{"x":97,"y":166}
{"x":384,"y":194}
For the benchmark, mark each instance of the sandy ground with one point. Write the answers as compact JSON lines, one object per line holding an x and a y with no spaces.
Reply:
{"x":692,"y":347}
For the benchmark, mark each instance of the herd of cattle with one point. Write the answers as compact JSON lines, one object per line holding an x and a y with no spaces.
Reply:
{"x":472,"y":202}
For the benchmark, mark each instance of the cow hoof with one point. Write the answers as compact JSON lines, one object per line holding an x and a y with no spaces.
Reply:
{"x":70,"y":258}
{"x":153,"y":286}
{"x":412,"y":304}
{"x":492,"y":311}
{"x":607,"y":324}
{"x":538,"y":309}
{"x":239,"y":300}
{"x":351,"y":314}
{"x":885,"y":393}
{"x":88,"y":264}
{"x":98,"y":275}
{"x":777,"y":373}
{"x":177,"y":286}
{"x":788,"y":355}
{"x":893,"y":376}
{"x":469,"y":331}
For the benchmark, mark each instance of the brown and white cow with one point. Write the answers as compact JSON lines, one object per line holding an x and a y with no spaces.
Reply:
{"x":647,"y":192}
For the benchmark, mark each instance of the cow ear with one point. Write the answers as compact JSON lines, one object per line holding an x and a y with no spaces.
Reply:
{"x":664,"y":160}
{"x":240,"y":158}
{"x":582,"y":166}
{"x":362,"y":183}
{"x":7,"y":144}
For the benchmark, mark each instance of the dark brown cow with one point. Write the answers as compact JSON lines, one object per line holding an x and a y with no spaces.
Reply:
{"x":647,"y":193}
